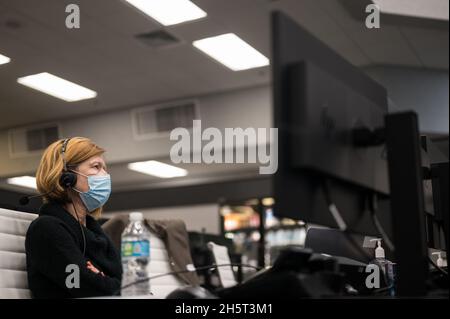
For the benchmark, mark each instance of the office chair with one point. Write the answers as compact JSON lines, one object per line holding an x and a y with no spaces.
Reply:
{"x":13,"y":269}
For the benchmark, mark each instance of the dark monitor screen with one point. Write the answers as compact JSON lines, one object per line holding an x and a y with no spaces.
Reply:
{"x":323,"y":112}
{"x":319,"y":98}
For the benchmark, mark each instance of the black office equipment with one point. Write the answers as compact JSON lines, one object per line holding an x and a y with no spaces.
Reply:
{"x":297,"y":273}
{"x":407,"y":203}
{"x":339,"y":150}
{"x":333,"y":242}
{"x":202,"y":256}
{"x":435,"y":182}
{"x":319,"y":99}
{"x":440,"y":185}
{"x":435,"y":177}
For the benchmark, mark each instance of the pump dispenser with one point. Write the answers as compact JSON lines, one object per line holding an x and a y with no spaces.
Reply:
{"x":379,"y":251}
{"x":386,"y":266}
{"x":440,"y":261}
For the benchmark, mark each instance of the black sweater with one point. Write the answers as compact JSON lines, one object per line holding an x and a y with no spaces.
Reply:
{"x":54,"y":241}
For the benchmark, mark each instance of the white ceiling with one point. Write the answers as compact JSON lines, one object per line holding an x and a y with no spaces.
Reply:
{"x":104,"y":54}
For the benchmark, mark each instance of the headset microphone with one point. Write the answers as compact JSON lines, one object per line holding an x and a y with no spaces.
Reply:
{"x":25,"y":200}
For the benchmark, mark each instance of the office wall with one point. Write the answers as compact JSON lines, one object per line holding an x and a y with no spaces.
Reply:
{"x":236,"y":190}
{"x":196,"y":217}
{"x":249,"y":107}
{"x":423,"y":90}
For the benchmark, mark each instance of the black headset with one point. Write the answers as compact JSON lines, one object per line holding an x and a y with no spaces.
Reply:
{"x":68,"y":179}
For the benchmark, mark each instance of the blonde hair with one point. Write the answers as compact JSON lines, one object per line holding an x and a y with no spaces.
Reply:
{"x":51,"y":166}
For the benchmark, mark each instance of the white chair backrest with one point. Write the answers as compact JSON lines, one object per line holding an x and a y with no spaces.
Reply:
{"x":221,"y":257}
{"x":13,"y":272}
{"x":160,"y":263}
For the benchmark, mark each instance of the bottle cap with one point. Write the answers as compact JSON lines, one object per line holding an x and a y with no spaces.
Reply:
{"x":136,"y":216}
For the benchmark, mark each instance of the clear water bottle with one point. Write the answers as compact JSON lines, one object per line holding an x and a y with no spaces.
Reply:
{"x":135,"y":251}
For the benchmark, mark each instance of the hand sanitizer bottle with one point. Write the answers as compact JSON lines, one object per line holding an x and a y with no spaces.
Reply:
{"x":385,"y":265}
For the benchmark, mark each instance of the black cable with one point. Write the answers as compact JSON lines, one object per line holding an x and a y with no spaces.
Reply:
{"x":385,"y":237}
{"x":181,"y":272}
{"x":331,"y":207}
{"x":339,"y":220}
{"x":377,"y":224}
{"x":81,"y":226}
{"x":388,"y":242}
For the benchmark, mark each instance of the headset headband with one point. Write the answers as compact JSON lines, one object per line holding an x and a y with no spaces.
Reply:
{"x":63,"y":152}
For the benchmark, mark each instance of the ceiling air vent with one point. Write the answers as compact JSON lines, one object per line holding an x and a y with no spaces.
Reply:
{"x":158,"y":39}
{"x":32,"y":140}
{"x":159,"y":120}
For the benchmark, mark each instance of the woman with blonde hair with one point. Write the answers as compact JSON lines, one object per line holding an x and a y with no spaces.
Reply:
{"x":68,"y":254}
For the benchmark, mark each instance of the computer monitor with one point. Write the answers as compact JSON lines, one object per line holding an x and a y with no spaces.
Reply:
{"x":326,"y":174}
{"x":319,"y":99}
{"x":440,"y":179}
{"x":435,"y":164}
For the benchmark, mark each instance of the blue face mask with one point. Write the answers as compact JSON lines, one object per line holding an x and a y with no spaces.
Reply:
{"x":98,"y":193}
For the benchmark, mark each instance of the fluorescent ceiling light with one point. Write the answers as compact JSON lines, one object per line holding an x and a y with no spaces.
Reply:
{"x":232,"y":51}
{"x":23,"y":181}
{"x":57,"y":87}
{"x":157,"y":169}
{"x":427,"y":9}
{"x":169,"y":12}
{"x":4,"y":59}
